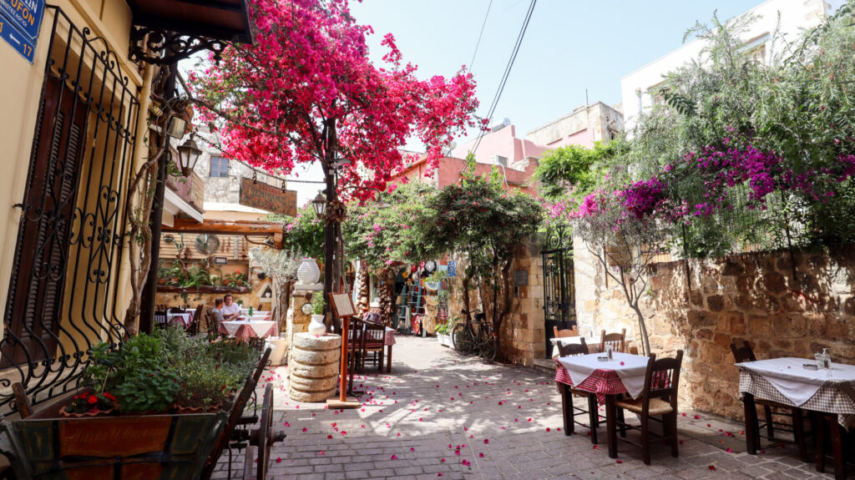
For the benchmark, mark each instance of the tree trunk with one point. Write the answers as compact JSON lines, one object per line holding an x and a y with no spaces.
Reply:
{"x":642,"y":328}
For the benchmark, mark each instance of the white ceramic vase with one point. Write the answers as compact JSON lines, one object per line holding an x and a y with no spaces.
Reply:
{"x":316,"y":326}
{"x":308,"y":273}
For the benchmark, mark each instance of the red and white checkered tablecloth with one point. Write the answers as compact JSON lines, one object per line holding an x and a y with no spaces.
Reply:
{"x":602,"y":382}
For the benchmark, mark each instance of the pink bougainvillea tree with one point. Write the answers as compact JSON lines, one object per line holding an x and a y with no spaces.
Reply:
{"x":306,"y":91}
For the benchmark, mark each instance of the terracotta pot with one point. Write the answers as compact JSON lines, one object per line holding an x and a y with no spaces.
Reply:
{"x":97,"y":413}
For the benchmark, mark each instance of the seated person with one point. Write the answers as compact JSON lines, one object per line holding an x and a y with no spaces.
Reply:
{"x":218,"y":312}
{"x":231,"y":310}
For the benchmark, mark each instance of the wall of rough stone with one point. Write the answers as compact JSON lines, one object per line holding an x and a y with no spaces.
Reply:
{"x":522,"y":336}
{"x":749,"y":296}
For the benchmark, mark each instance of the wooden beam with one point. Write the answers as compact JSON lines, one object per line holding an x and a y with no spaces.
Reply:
{"x":237,"y":227}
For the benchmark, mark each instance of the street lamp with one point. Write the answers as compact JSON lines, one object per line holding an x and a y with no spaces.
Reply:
{"x":320,"y":205}
{"x":188,"y":154}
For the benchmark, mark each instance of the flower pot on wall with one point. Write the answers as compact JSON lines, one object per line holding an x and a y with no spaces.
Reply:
{"x":316,"y":326}
{"x":308,"y":272}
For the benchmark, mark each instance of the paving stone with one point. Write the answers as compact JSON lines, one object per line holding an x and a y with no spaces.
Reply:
{"x":406,"y":410}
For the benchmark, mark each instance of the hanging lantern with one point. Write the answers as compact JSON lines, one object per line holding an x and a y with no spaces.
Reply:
{"x":188,"y":154}
{"x":320,"y":205}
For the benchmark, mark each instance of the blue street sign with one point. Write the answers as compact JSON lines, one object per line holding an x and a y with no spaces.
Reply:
{"x":16,"y":40}
{"x":25,"y":15}
{"x":452,"y":268}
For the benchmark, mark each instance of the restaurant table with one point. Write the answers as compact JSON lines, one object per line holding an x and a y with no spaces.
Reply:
{"x":606,"y":379}
{"x":787,"y":381}
{"x":183,"y":319}
{"x":248,"y":329}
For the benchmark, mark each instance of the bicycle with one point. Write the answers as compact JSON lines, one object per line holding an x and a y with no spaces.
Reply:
{"x":475,"y":336}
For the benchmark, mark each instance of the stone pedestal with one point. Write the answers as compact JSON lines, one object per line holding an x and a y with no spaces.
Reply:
{"x":314,"y":367}
{"x":297,"y":321}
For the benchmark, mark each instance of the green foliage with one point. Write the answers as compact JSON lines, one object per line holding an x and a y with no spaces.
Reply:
{"x":305,"y":233}
{"x":396,"y":233}
{"x":318,"y":303}
{"x":574,"y":170}
{"x":478,"y":219}
{"x":798,"y":103}
{"x":152,"y":373}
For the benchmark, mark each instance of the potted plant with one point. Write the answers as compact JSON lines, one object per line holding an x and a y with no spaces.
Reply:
{"x":443,"y":332}
{"x":316,"y":326}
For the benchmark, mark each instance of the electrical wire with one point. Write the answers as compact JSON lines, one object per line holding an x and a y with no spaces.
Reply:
{"x":478,"y":43}
{"x":507,"y":73}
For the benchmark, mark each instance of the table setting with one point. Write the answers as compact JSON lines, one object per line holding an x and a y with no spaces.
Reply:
{"x":812,"y":385}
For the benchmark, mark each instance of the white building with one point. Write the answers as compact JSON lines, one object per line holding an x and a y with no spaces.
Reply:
{"x":795,"y":16}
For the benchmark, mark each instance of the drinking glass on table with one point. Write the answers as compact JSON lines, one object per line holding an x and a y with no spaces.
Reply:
{"x":820,"y":362}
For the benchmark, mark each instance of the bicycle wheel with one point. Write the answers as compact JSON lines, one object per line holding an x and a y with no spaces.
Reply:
{"x":488,"y":350}
{"x":461,"y":340}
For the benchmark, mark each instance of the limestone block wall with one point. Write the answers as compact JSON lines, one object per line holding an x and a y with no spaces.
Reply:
{"x":523,"y":334}
{"x":751,"y":296}
{"x":523,"y":337}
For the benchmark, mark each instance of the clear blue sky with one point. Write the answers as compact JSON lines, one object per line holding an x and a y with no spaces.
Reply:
{"x":570,"y":45}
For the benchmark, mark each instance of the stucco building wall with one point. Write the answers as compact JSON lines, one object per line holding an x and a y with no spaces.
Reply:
{"x":20,"y":96}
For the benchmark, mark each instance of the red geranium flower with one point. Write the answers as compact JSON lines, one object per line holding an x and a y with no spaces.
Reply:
{"x":92,"y":400}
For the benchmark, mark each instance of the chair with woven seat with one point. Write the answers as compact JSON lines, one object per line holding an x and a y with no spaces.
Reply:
{"x":373,"y":342}
{"x":615,"y":340}
{"x":567,"y":393}
{"x":659,"y":398}
{"x":744,"y":353}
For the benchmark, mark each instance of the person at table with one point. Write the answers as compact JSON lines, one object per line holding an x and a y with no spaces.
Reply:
{"x":218,"y":312}
{"x":231,"y":310}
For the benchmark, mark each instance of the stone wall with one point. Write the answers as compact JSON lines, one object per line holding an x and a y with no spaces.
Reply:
{"x":749,"y":296}
{"x":522,"y":336}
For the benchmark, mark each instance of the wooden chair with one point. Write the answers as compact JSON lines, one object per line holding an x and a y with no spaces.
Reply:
{"x":573,"y":332}
{"x":373,"y":342}
{"x":211,"y":324}
{"x":160,"y":319}
{"x":743,"y":353}
{"x":194,"y":329}
{"x":567,"y":392}
{"x":616,"y":340}
{"x":659,"y":398}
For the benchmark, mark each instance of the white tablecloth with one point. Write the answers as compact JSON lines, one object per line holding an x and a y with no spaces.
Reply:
{"x":795,"y":382}
{"x":260,"y":327}
{"x":631,"y":373}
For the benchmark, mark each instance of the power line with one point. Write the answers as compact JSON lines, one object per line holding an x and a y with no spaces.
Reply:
{"x":484,"y":24}
{"x":507,"y":73}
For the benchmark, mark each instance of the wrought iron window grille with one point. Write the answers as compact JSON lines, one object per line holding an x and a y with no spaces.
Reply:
{"x":63,"y":287}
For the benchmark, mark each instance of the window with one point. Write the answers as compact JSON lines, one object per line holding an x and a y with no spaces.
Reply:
{"x":219,"y":167}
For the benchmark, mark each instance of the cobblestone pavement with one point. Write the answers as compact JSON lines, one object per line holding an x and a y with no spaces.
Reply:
{"x":439,"y":414}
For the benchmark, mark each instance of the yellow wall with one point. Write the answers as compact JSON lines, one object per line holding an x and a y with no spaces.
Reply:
{"x":20,"y":94}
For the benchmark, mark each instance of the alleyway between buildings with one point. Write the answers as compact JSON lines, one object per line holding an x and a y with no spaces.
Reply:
{"x":439,"y":414}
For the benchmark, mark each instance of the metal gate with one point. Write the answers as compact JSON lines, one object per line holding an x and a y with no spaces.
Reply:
{"x":559,"y":292}
{"x":62,"y":291}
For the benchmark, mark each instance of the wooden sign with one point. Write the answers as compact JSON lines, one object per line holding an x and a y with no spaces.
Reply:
{"x":342,"y":305}
{"x":267,"y":197}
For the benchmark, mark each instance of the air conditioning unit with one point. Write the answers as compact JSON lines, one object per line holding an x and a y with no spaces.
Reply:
{"x":500,"y":160}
